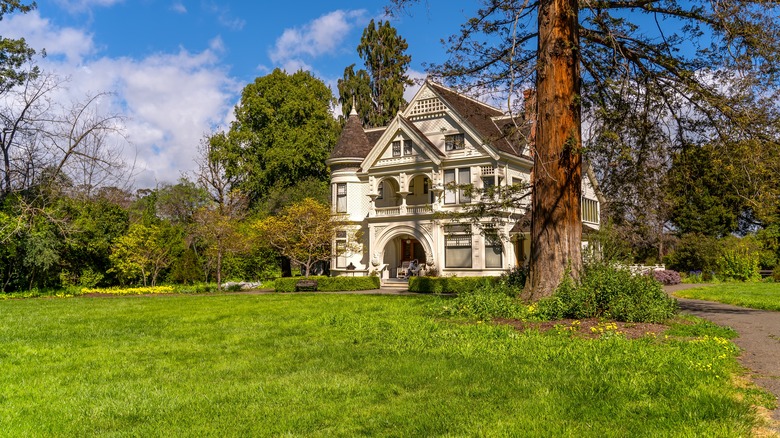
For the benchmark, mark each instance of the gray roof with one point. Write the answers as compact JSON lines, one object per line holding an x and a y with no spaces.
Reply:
{"x":480,"y":117}
{"x":353,"y":142}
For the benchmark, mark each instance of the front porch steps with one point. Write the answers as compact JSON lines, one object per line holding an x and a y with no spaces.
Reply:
{"x":395,"y":284}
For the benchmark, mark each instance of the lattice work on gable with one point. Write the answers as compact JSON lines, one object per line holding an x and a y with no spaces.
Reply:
{"x":434,"y":125}
{"x":427,"y":106}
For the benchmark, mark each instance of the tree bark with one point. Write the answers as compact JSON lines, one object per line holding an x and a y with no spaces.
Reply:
{"x":286,"y":267}
{"x":556,"y":228}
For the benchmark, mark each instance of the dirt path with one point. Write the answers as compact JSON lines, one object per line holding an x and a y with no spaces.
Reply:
{"x":759,"y":337}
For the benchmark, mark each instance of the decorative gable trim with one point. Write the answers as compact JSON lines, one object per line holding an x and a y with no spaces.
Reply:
{"x":400,"y":125}
{"x":426,"y":107}
{"x":428,"y":97}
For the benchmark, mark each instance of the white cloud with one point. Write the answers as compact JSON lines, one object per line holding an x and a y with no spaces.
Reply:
{"x":169,"y":100}
{"x":224,"y":16}
{"x":179,"y":8}
{"x":322,"y":36}
{"x":418,"y":77}
{"x":85,"y":5}
{"x":40,"y":33}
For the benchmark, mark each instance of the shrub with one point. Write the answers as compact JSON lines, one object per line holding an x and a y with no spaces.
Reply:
{"x":329,"y":284}
{"x":334,"y":284}
{"x":776,"y":273}
{"x":516,"y":277}
{"x":666,"y":277}
{"x":454,"y":285}
{"x":609,"y":292}
{"x":486,"y":302}
{"x":695,"y":252}
{"x":739,"y":260}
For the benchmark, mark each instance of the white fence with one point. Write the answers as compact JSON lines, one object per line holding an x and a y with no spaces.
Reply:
{"x":644,"y":269}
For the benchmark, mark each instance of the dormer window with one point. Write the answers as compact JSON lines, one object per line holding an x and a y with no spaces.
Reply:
{"x":381,"y":191}
{"x":454,"y":142}
{"x":397,"y":148}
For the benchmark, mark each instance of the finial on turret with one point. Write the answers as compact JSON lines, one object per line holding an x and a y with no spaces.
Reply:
{"x":354,"y":111}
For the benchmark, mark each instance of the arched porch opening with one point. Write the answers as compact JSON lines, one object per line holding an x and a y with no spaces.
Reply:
{"x":401,"y":245}
{"x":420,"y":189}
{"x":387,"y":190}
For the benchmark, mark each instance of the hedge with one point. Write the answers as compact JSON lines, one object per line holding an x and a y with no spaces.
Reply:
{"x":454,"y":285}
{"x":329,"y":284}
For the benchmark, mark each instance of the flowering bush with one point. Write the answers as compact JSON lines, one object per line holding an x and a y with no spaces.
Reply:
{"x":131,"y":290}
{"x":667,"y":277}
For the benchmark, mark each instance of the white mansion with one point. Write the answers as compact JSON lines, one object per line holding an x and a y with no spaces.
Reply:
{"x":395,"y":186}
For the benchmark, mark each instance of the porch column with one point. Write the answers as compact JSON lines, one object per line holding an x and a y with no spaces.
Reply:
{"x":372,"y":204}
{"x":403,"y":195}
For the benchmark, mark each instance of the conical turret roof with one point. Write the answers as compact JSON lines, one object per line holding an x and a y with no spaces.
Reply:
{"x":353,"y":142}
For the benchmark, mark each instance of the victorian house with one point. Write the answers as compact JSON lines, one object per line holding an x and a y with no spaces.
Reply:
{"x":396,"y":187}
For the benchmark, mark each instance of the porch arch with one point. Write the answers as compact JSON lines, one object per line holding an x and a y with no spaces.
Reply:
{"x":411,"y":177}
{"x":391,"y":233}
{"x":393,"y":180}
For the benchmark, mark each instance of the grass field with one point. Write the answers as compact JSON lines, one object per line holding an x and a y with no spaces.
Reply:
{"x":346,"y":365}
{"x":754,"y":295}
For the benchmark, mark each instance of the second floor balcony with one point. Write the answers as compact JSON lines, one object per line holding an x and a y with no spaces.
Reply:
{"x":402,"y":210}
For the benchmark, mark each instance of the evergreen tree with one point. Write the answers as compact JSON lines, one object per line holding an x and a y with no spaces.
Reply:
{"x":378,"y":91}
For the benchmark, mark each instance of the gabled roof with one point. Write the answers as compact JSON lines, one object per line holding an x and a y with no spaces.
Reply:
{"x":398,"y":124}
{"x":482,"y":117}
{"x":486,"y":121}
{"x":353,"y":142}
{"x":374,"y":135}
{"x":411,"y":126}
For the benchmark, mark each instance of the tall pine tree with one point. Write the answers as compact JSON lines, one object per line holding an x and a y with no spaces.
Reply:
{"x":378,"y":90}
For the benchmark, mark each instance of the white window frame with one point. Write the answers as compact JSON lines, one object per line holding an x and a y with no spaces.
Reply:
{"x":458,"y":243}
{"x":396,"y":145}
{"x":457,"y":176}
{"x":455,"y":142}
{"x":493,"y":240}
{"x":341,"y":249}
{"x":408,"y":147}
{"x":341,"y":197}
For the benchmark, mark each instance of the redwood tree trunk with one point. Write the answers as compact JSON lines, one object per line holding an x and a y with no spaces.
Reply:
{"x":556,"y":228}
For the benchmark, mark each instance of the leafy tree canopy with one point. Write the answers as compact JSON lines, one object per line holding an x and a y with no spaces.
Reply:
{"x":283,"y":133}
{"x":302,"y":232}
{"x":14,"y":53}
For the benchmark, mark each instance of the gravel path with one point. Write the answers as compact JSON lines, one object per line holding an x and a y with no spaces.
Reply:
{"x":759,"y":337}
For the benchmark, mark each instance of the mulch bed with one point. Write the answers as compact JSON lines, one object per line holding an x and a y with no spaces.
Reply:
{"x":591,"y":328}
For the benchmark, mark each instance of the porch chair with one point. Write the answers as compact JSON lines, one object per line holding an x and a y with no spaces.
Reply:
{"x":402,"y":270}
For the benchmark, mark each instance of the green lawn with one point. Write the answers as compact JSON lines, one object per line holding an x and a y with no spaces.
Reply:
{"x":754,"y":295}
{"x":344,"y":365}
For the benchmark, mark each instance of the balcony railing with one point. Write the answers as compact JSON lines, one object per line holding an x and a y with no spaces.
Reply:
{"x":419,"y":209}
{"x":397,"y":211}
{"x":388,"y":211}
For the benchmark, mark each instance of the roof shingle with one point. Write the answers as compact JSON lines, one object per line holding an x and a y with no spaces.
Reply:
{"x":353,"y":142}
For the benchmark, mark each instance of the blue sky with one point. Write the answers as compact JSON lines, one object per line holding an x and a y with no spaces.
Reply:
{"x":177,"y":67}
